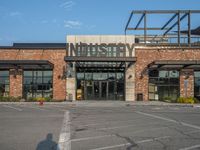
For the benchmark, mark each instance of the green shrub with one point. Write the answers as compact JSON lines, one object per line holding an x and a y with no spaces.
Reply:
{"x":31,"y":99}
{"x":9,"y":99}
{"x":39,"y":99}
{"x":48,"y":99}
{"x":187,"y":100}
{"x":169,"y":99}
{"x":196,"y":100}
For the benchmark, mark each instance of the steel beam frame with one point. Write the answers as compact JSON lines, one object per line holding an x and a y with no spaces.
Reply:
{"x":180,"y":14}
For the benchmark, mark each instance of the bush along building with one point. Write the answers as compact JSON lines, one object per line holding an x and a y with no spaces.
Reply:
{"x":159,"y":63}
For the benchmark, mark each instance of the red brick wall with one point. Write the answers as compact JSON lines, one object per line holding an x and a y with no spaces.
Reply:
{"x":54,"y":56}
{"x":15,"y":83}
{"x":147,"y":55}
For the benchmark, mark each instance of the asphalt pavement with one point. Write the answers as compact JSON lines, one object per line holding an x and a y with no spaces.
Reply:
{"x":97,"y":126}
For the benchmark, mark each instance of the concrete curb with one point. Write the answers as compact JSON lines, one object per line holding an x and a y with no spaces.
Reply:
{"x":105,"y":104}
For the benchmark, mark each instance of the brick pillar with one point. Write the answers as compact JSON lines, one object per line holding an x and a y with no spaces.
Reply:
{"x":59,"y":83}
{"x":141,"y":86}
{"x":15,"y":83}
{"x":187,"y":83}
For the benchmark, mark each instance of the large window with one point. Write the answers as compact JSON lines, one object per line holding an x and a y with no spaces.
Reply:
{"x":163,"y":85}
{"x":4,"y":83}
{"x":197,"y":84}
{"x":37,"y":84}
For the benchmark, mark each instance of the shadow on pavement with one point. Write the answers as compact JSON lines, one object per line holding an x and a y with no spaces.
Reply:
{"x":47,"y":144}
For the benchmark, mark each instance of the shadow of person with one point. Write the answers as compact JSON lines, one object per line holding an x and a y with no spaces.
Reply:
{"x":47,"y":144}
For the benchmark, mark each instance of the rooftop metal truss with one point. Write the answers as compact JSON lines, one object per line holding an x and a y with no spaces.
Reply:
{"x":177,"y":16}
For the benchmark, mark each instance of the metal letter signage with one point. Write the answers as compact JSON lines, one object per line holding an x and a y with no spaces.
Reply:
{"x":100,"y":50}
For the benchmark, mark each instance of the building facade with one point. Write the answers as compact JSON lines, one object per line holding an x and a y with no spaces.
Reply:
{"x":99,"y":67}
{"x":33,"y":70}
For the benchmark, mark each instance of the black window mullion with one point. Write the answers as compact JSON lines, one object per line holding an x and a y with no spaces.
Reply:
{"x":42,"y":83}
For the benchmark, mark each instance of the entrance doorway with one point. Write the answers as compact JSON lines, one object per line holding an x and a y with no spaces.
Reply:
{"x":99,"y":90}
{"x":100,"y":85}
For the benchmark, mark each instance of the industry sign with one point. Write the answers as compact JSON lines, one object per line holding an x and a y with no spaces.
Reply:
{"x":100,"y":50}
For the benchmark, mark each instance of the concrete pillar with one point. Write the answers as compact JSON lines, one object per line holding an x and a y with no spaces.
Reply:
{"x":71,"y":83}
{"x":130,"y":83}
{"x":187,"y":83}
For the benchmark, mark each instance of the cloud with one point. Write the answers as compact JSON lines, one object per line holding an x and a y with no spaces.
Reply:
{"x":54,"y":20}
{"x":15,"y":13}
{"x":72,"y":24}
{"x":67,"y":5}
{"x":44,"y":21}
{"x":90,"y":27}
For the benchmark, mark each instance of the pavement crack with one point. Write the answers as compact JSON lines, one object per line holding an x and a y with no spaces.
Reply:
{"x":129,"y":140}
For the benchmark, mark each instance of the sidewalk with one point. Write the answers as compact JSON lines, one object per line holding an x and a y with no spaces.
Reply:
{"x":95,"y":103}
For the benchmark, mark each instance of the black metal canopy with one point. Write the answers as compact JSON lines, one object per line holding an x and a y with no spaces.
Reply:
{"x":25,"y":64}
{"x":175,"y":64}
{"x":193,"y":31}
{"x":101,"y":63}
{"x":99,"y":59}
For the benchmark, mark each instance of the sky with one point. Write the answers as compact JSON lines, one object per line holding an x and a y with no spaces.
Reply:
{"x":46,"y":21}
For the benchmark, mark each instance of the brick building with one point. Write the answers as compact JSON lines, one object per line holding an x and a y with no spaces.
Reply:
{"x":107,"y":67}
{"x":33,"y":70}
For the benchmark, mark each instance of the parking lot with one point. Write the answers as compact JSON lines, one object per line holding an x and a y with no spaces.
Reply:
{"x":99,"y":127}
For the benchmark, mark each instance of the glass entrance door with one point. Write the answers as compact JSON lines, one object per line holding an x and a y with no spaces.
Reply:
{"x":96,"y":87}
{"x":100,"y":85}
{"x":100,"y":90}
{"x":104,"y":91}
{"x":111,"y":90}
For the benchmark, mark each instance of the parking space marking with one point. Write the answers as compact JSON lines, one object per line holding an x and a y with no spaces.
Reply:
{"x":15,"y":108}
{"x":38,"y":108}
{"x":156,"y":108}
{"x":191,"y":147}
{"x":56,"y":108}
{"x":106,"y":121}
{"x":112,"y":135}
{"x":125,"y":126}
{"x":64,"y":142}
{"x":59,"y":106}
{"x":116,"y":127}
{"x":128,"y":144}
{"x":169,"y":120}
{"x":147,"y":140}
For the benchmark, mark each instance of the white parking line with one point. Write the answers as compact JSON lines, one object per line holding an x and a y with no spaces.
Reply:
{"x":191,"y":147}
{"x":36,"y":107}
{"x":127,"y":144}
{"x":64,"y":142}
{"x":112,"y":135}
{"x":60,"y":108}
{"x":124,"y":126}
{"x":105,"y":122}
{"x":147,"y":140}
{"x":18,"y":109}
{"x":170,"y":120}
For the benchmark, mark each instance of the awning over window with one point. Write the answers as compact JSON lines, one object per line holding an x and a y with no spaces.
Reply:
{"x":175,"y":64}
{"x":25,"y":64}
